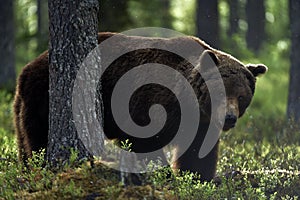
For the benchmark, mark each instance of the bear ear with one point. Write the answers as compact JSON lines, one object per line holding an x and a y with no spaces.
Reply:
{"x":257,"y":70}
{"x":207,"y":56}
{"x":207,"y":60}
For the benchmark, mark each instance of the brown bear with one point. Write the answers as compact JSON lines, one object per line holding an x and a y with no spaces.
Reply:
{"x":31,"y":99}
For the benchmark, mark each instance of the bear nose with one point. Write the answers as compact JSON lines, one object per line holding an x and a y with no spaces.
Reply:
{"x":230,"y":119}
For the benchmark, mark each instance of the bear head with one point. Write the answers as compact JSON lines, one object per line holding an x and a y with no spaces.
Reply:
{"x":238,"y":81}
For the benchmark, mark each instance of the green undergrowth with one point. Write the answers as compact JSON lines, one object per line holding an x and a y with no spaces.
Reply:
{"x":250,"y":167}
{"x":265,"y":176}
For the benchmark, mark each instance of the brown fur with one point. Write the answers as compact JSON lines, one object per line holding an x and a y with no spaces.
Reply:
{"x":31,"y":99}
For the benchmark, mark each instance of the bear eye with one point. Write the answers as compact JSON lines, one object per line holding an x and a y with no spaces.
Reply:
{"x":240,"y":98}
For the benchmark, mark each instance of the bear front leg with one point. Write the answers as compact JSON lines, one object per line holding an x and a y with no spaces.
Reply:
{"x":205,"y":167}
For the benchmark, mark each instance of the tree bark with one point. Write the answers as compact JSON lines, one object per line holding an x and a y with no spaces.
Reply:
{"x":255,"y":14}
{"x":7,"y":46}
{"x":293,"y":109}
{"x":43,"y":25}
{"x":233,"y":17}
{"x":208,"y":22}
{"x":73,"y":34}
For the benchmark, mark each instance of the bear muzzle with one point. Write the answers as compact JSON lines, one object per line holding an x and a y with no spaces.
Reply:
{"x":232,"y":113}
{"x":230,"y":121}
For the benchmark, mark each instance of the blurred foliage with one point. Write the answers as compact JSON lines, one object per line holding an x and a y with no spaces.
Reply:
{"x":6,"y":119}
{"x":26,"y":32}
{"x":142,"y":13}
{"x":184,"y":16}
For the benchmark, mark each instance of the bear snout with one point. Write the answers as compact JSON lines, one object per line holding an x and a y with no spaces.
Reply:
{"x":230,"y":120}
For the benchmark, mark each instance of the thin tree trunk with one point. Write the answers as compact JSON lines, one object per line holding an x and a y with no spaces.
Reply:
{"x":293,"y":110}
{"x":166,"y":18}
{"x":43,"y":25}
{"x":255,"y":14}
{"x":73,"y":34}
{"x":208,"y":22}
{"x":233,"y":17}
{"x":114,"y":16}
{"x":7,"y":46}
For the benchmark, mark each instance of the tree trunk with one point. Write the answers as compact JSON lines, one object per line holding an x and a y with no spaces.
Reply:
{"x":293,"y":110}
{"x":73,"y":34}
{"x":255,"y":14}
{"x":233,"y":17}
{"x":43,"y":25}
{"x":114,"y":16}
{"x":7,"y":46}
{"x":166,"y":15}
{"x":208,"y":22}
